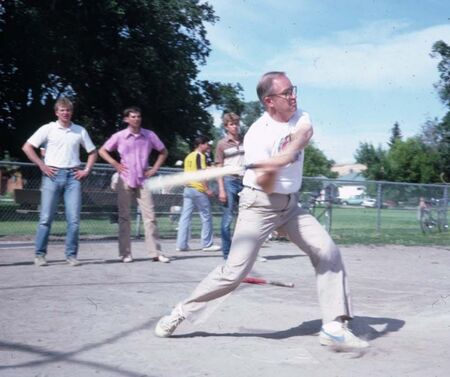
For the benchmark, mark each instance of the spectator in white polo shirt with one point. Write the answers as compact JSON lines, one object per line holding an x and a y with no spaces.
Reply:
{"x":62,"y":175}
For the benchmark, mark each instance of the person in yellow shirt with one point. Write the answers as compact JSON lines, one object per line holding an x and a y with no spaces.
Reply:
{"x":196,"y":195}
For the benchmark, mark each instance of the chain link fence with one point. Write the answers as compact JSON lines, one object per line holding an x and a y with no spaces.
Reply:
{"x":381,"y":206}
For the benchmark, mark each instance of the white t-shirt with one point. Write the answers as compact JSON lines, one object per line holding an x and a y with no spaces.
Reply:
{"x":267,"y":138}
{"x":62,"y":145}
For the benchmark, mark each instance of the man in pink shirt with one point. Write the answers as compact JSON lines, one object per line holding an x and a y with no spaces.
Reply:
{"x":134,"y":145}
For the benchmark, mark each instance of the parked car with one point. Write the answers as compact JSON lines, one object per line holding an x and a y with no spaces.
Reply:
{"x":369,"y":203}
{"x":353,"y":200}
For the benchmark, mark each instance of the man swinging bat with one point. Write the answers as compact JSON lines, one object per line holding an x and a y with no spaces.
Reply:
{"x":274,"y":147}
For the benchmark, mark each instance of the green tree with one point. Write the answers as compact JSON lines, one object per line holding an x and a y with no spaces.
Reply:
{"x":225,"y":97}
{"x":106,"y":55}
{"x":396,"y":134}
{"x":442,"y":49}
{"x":316,"y":163}
{"x":252,"y":111}
{"x":440,"y":131}
{"x":436,"y":136}
{"x":412,"y":161}
{"x":374,"y":159}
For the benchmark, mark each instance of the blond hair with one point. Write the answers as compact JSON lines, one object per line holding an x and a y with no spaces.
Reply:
{"x":63,"y":102}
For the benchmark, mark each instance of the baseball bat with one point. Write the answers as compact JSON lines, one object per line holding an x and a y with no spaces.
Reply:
{"x":182,"y":178}
{"x":288,"y":155}
{"x":260,"y":281}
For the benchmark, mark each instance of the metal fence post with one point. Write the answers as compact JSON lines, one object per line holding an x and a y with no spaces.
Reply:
{"x":138,"y":222}
{"x":446,"y":203}
{"x":379,"y":205}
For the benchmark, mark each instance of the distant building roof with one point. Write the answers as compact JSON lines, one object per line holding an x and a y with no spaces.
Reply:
{"x":345,"y":169}
{"x":353,"y":177}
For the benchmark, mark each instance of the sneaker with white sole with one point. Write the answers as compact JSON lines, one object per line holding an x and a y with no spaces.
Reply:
{"x":40,"y":261}
{"x":183,"y":249}
{"x":73,"y":261}
{"x":167,"y":324}
{"x":161,"y":258}
{"x":261,"y":259}
{"x":212,"y":248}
{"x":341,"y":338}
{"x":127,"y":258}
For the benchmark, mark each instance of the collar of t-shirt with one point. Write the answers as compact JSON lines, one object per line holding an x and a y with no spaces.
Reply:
{"x":230,"y":139}
{"x":130,"y":133}
{"x":62,"y":127}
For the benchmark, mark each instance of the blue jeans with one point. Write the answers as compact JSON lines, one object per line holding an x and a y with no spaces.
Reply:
{"x":233,"y":186}
{"x":63,"y":183}
{"x":193,"y":198}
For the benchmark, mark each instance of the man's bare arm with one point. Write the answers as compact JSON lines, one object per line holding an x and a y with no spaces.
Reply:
{"x":28,"y":149}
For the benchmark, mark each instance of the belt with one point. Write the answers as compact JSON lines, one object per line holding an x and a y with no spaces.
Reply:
{"x":273,"y":193}
{"x":253,"y":188}
{"x":73,"y":168}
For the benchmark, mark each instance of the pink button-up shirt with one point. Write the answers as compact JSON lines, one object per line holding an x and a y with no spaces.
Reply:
{"x":134,"y":151}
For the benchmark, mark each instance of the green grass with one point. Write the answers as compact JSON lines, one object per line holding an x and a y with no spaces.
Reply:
{"x":351,"y":225}
{"x":359,"y":226}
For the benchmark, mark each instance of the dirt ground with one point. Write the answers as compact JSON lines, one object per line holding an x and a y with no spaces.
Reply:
{"x":97,"y":319}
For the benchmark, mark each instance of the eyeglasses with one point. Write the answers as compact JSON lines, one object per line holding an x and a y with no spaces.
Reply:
{"x":288,"y":93}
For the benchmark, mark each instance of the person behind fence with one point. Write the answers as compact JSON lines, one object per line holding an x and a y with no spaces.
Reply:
{"x":229,"y":152}
{"x":62,"y":175}
{"x":196,"y":196}
{"x":275,"y":144}
{"x":134,"y":145}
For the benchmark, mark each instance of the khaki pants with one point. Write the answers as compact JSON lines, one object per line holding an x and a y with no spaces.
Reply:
{"x":259,"y":215}
{"x":145,"y":202}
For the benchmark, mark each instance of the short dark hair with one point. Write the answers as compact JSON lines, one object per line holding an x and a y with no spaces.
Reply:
{"x":201,"y":139}
{"x":131,"y":109}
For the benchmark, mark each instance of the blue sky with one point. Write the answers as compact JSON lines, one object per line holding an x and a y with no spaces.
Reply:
{"x":360,"y":65}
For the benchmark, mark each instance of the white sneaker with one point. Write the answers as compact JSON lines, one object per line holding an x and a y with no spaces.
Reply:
{"x":40,"y":261}
{"x":161,"y":258}
{"x":341,"y":337}
{"x":127,"y":259}
{"x":212,"y":248}
{"x":167,"y":324}
{"x":261,"y":259}
{"x":73,"y":261}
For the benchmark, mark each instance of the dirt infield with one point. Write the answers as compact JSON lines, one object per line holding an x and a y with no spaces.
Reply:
{"x":98,"y":319}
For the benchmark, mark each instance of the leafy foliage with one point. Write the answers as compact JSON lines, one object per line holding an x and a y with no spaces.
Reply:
{"x":225,"y":97}
{"x":252,"y":111}
{"x":441,"y":130}
{"x":443,"y":86}
{"x":412,"y":161}
{"x":396,"y":134}
{"x":106,"y":55}
{"x":316,"y":163}
{"x":436,"y":136}
{"x":374,"y":159}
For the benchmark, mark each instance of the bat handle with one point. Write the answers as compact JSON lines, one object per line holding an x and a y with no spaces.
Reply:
{"x":250,"y":166}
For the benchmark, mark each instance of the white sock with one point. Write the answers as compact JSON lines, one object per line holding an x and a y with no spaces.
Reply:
{"x":332,"y":326}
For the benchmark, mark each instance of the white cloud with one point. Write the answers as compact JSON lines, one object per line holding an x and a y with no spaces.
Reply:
{"x":353,"y":59}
